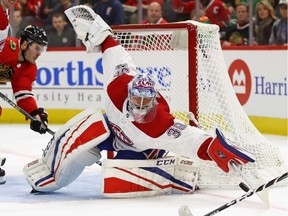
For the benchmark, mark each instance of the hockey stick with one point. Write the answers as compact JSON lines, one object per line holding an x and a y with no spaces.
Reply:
{"x":19,"y":109}
{"x":263,"y":195}
{"x":29,"y":116}
{"x":185,"y":211}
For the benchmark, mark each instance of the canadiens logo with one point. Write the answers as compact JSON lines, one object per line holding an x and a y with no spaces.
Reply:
{"x":12,"y":45}
{"x":120,"y":134}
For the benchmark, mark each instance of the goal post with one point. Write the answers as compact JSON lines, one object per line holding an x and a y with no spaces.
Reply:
{"x":187,"y":62}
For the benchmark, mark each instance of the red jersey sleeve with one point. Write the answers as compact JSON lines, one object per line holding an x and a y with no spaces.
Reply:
{"x":131,"y":2}
{"x":4,"y":19}
{"x":22,"y":87}
{"x":218,"y":13}
{"x":183,"y":7}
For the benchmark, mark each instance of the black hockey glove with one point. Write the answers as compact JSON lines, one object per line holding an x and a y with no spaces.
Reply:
{"x":41,"y":122}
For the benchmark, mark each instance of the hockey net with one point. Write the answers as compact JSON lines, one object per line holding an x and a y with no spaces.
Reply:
{"x":187,"y":61}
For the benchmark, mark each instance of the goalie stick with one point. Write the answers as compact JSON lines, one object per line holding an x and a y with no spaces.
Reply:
{"x":19,"y":109}
{"x":263,"y":195}
{"x":185,"y":211}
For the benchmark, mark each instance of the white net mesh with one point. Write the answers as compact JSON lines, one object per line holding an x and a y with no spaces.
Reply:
{"x":197,"y":80}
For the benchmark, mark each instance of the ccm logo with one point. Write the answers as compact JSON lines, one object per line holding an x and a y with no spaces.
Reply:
{"x":33,"y":163}
{"x":166,"y":162}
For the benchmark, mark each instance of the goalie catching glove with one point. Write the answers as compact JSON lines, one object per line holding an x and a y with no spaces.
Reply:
{"x":41,"y":121}
{"x":223,"y":153}
{"x":89,"y":27}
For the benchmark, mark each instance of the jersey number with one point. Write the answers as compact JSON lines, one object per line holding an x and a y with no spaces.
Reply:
{"x":176,"y":129}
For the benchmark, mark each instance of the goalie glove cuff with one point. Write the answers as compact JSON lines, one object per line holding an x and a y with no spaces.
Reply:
{"x":202,"y":151}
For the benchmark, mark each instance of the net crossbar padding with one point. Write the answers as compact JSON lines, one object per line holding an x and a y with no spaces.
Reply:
{"x":193,"y":78}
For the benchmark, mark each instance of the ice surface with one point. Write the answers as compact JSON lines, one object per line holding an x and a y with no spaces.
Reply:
{"x":83,"y":197}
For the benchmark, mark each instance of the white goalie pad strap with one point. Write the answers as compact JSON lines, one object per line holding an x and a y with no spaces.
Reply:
{"x":36,"y":170}
{"x":143,"y":178}
{"x":68,"y":152}
{"x":39,"y":175}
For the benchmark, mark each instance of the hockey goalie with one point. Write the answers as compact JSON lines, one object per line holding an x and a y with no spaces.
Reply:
{"x":137,"y":125}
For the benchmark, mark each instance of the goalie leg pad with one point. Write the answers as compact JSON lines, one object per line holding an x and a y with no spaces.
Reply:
{"x":40,"y":176}
{"x":144,"y":178}
{"x":68,"y":152}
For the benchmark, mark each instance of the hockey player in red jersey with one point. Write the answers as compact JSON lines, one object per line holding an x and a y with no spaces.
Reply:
{"x":216,"y":10}
{"x":4,"y":17}
{"x":19,"y":58}
{"x":139,"y":119}
{"x":4,"y":30}
{"x":18,"y":66}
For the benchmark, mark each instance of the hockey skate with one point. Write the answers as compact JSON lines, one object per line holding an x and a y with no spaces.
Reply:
{"x":89,"y":27}
{"x":2,"y":172}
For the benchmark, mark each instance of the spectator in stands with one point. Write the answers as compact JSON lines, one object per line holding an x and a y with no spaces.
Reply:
{"x":231,"y":5}
{"x":201,"y":13}
{"x":32,"y":11}
{"x":272,"y":2}
{"x":145,"y":3}
{"x":265,"y":17}
{"x":238,"y":33}
{"x":18,"y":23}
{"x":60,"y":34}
{"x":279,"y":29}
{"x":170,"y":15}
{"x":30,"y":7}
{"x":215,"y":10}
{"x":111,"y":11}
{"x":89,"y":3}
{"x":154,"y":14}
{"x":60,"y":7}
{"x":131,"y":9}
{"x":48,"y":6}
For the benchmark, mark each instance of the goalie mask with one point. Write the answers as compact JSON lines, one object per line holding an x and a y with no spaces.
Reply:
{"x":142,"y":103}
